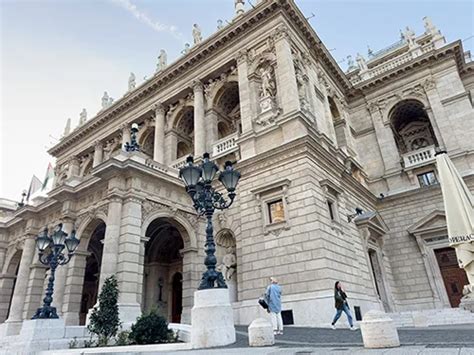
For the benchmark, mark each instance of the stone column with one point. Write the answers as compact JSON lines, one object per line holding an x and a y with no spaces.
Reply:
{"x":61,"y":273}
{"x":125,"y":134}
{"x":71,"y":305}
{"x":6,"y":287}
{"x":211,"y":130}
{"x":192,"y":272}
{"x":199,"y":122}
{"x":98,"y":153}
{"x":171,"y":146}
{"x":111,"y":240}
{"x":246,"y":113}
{"x":287,"y":86}
{"x":386,"y":141}
{"x":74,"y":167}
{"x":159,"y":144}
{"x":18,"y":300}
{"x":129,"y":270}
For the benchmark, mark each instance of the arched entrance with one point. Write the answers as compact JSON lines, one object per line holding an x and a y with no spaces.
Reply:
{"x":163,"y":267}
{"x":7,"y":285}
{"x":90,"y":287}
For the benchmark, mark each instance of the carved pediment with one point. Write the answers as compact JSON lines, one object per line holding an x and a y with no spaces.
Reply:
{"x":373,"y":221}
{"x":434,"y":221}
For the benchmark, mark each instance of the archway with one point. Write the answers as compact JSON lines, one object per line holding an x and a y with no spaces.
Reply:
{"x":163,"y":268}
{"x":7,"y":285}
{"x":227,"y":106}
{"x":411,"y":126}
{"x":185,"y":132}
{"x":90,"y":285}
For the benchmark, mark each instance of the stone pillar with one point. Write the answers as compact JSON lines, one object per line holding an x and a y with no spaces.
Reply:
{"x":191,"y":276}
{"x":71,"y":304}
{"x":3,"y":251}
{"x":36,"y":288}
{"x":159,"y":144}
{"x":386,"y":141}
{"x":125,"y":134}
{"x":442,"y":127}
{"x":212,"y":133}
{"x":287,"y":86}
{"x":199,"y":122}
{"x":171,"y":146}
{"x":6,"y":287}
{"x":98,"y":153}
{"x":74,"y":167}
{"x":129,"y":269}
{"x":111,"y":240}
{"x":18,"y":299}
{"x":246,"y":114}
{"x":61,"y":273}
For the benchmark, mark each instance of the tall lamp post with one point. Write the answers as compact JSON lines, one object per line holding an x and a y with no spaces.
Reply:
{"x":133,"y":146}
{"x":198,"y":183}
{"x":51,"y":253}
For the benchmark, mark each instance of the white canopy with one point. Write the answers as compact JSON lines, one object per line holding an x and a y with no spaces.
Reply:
{"x":459,"y":207}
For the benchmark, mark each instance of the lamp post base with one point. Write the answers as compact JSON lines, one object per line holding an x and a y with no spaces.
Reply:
{"x":212,"y":319}
{"x":46,"y":313}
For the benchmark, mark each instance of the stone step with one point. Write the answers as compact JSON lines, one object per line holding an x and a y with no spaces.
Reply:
{"x":432,"y":317}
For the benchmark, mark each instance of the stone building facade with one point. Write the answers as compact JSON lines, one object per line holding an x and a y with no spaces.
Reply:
{"x":312,"y":143}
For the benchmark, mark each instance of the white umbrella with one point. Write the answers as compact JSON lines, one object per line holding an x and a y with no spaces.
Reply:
{"x":459,"y":208}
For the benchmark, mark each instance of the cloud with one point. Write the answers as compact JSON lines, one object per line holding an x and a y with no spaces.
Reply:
{"x":143,"y":17}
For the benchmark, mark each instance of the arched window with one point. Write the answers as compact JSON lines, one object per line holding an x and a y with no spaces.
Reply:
{"x":185,"y":129}
{"x":227,"y":104}
{"x":411,"y":126}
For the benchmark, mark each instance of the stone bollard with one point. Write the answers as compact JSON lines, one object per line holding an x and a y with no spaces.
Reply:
{"x":261,"y":333}
{"x":378,"y":330}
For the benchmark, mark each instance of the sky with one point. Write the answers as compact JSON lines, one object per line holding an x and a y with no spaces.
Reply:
{"x":59,"y":56}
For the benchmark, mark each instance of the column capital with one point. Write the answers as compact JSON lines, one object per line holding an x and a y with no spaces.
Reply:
{"x":125,"y":126}
{"x":197,"y":86}
{"x":159,"y":108}
{"x":98,"y":143}
{"x":242,"y":56}
{"x":281,"y":32}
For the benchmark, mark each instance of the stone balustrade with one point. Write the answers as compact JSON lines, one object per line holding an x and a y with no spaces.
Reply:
{"x":225,"y":146}
{"x":179,"y":163}
{"x":419,"y":157}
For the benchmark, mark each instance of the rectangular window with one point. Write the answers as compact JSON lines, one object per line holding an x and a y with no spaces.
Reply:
{"x":331,"y":210}
{"x":276,"y":212}
{"x":427,"y":179}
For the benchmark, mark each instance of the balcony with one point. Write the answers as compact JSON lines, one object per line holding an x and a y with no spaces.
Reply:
{"x":225,"y":146}
{"x":179,"y":163}
{"x":419,"y":157}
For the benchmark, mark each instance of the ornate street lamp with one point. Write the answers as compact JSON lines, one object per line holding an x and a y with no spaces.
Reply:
{"x":133,"y":145}
{"x":198,"y":183}
{"x":51,"y":253}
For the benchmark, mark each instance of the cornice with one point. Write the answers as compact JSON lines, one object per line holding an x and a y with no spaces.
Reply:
{"x":452,"y":50}
{"x":209,"y":47}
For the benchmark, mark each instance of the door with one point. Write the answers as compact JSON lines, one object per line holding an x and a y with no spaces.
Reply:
{"x":378,"y":278}
{"x":177,"y":298}
{"x":454,"y":277}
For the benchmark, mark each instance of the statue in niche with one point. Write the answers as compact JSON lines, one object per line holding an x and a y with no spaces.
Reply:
{"x":162,"y":59}
{"x":197,"y":34}
{"x":229,"y":264}
{"x":131,"y":82}
{"x":222,"y":220}
{"x":361,"y":62}
{"x":109,"y":148}
{"x":409,"y":36}
{"x":268,"y":84}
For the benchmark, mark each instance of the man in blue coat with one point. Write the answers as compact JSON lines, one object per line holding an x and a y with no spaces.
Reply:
{"x":273,"y":298}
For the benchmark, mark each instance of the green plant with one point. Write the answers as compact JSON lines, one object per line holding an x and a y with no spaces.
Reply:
{"x":151,"y":328}
{"x":104,"y":320}
{"x":123,"y":338}
{"x":73,"y":343}
{"x":89,"y":343}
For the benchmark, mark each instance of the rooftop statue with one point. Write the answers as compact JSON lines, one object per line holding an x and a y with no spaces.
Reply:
{"x":131,"y":82}
{"x":350,"y":63}
{"x":197,"y":35}
{"x":430,"y":28}
{"x":239,"y":7}
{"x":187,"y":49}
{"x":409,"y":36}
{"x":82,"y":117}
{"x":361,"y":62}
{"x":67,"y":129}
{"x":105,"y":100}
{"x":219,"y":24}
{"x":162,"y":59}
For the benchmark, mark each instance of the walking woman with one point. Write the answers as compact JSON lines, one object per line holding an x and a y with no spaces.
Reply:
{"x":341,"y":306}
{"x":273,"y":298}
